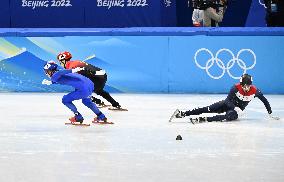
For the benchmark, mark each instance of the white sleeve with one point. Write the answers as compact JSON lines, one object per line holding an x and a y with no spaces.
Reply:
{"x":101,"y":72}
{"x":197,"y":16}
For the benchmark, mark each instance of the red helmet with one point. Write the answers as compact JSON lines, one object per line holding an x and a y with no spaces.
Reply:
{"x":64,"y":56}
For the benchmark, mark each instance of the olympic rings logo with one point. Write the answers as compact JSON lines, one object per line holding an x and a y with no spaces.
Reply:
{"x":210,"y":62}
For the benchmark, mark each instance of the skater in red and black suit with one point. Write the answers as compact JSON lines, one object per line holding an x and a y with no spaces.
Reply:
{"x":237,"y":100}
{"x":95,"y":74}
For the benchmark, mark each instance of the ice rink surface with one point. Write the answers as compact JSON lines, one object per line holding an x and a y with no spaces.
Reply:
{"x":35,"y":145}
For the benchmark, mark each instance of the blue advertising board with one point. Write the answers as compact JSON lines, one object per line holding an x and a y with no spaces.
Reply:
{"x":150,"y":64}
{"x":130,"y":13}
{"x":47,"y":13}
{"x":212,"y":64}
{"x":120,"y":13}
{"x":5,"y":13}
{"x":88,"y":13}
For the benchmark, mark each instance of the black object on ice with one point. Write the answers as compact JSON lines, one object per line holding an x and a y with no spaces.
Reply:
{"x":178,"y":137}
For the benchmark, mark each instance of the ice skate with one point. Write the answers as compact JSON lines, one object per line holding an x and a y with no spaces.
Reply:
{"x":77,"y":120}
{"x":177,"y":114}
{"x":98,"y":102}
{"x":117,"y":108}
{"x":198,"y":120}
{"x":101,"y":119}
{"x":102,"y":105}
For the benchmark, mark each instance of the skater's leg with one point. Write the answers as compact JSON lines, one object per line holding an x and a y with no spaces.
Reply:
{"x":88,"y":102}
{"x":99,"y":84}
{"x":197,"y":111}
{"x":219,"y":117}
{"x":96,"y":100}
{"x":230,"y":115}
{"x":108,"y":97}
{"x":217,"y":107}
{"x":68,"y":99}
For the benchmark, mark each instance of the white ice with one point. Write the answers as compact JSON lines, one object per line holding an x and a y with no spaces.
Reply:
{"x":36,"y":146}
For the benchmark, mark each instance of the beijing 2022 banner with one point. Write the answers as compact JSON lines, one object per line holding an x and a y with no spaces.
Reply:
{"x":89,"y":13}
{"x":120,"y":13}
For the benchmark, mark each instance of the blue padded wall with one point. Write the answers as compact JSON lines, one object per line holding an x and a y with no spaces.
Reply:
{"x":172,"y":60}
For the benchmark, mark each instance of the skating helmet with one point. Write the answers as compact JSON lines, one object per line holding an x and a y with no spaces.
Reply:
{"x":64,"y":56}
{"x":50,"y":67}
{"x":246,"y":79}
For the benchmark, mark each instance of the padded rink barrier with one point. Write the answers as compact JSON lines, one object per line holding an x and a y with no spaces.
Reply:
{"x":148,"y":60}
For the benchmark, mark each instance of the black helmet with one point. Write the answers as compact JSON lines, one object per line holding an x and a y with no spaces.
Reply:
{"x":246,"y":79}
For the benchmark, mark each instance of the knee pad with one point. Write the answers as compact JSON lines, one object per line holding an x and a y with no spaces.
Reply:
{"x":231,"y":115}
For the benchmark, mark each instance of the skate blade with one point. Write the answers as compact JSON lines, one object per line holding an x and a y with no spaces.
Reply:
{"x":102,"y":122}
{"x":116,"y":109}
{"x":173,"y":115}
{"x":100,"y":106}
{"x":77,"y":124}
{"x":192,"y":121}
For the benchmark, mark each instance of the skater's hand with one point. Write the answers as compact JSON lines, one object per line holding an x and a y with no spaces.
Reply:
{"x":75,"y":70}
{"x":239,"y":111}
{"x":274,"y":117}
{"x":46,"y":82}
{"x":101,"y":72}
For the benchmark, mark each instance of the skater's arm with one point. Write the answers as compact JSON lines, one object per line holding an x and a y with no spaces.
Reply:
{"x":94,"y":70}
{"x":59,"y":74}
{"x":266,"y":103}
{"x":264,"y":100}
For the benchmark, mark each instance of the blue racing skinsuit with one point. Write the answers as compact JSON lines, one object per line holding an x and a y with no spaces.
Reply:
{"x":83,"y":89}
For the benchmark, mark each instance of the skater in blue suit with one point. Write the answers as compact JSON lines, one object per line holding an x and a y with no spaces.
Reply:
{"x":83,"y":90}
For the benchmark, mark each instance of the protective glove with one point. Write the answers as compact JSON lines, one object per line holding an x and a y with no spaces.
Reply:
{"x":101,"y":72}
{"x":239,"y":111}
{"x":75,"y":70}
{"x":46,"y":82}
{"x":274,"y":117}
